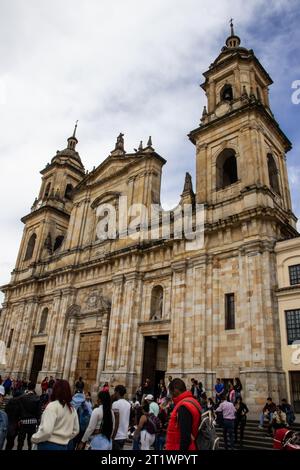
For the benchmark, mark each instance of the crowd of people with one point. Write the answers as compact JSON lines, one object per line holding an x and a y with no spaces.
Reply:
{"x":166,"y":416}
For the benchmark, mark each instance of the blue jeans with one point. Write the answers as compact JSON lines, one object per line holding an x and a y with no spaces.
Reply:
{"x":228,"y":428}
{"x":263,"y":417}
{"x":3,"y":428}
{"x":136,"y":444}
{"x":159,"y":442}
{"x":51,"y":446}
{"x":100,"y":442}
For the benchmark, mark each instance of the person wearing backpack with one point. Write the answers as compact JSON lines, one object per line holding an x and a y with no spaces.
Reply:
{"x":147,"y":429}
{"x":185,"y":418}
{"x":101,"y":426}
{"x":84,"y":414}
{"x":161,"y":434}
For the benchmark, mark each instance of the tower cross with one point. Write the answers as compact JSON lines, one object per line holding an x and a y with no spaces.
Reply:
{"x":231,"y":26}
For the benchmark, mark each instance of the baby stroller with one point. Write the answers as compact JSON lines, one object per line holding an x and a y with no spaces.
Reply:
{"x":286,"y":439}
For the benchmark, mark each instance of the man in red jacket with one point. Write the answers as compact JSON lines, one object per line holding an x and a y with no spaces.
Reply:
{"x":185,"y":418}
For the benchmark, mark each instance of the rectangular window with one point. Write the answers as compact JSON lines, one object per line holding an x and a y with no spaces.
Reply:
{"x":229,"y":312}
{"x":294,"y":274}
{"x":10,"y":337}
{"x":292,"y":325}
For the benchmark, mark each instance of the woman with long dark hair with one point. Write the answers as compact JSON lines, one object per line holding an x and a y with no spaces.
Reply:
{"x":240,"y":420}
{"x":238,"y":388}
{"x":101,"y":425}
{"x":59,"y":422}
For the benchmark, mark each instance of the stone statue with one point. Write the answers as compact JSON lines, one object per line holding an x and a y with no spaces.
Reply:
{"x":157,"y":307}
{"x":188,"y":186}
{"x":160,"y":305}
{"x":120,"y":142}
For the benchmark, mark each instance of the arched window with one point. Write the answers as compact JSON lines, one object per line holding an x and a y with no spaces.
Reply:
{"x":226,"y":169}
{"x":157,"y":296}
{"x":47,"y":190}
{"x":30,"y":247}
{"x":43,"y":321}
{"x":69,"y":191}
{"x":58,"y":242}
{"x":227,"y":93}
{"x":273,"y":173}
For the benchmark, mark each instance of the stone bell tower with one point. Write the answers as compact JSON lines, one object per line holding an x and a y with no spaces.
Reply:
{"x":241,"y":150}
{"x":241,"y":178}
{"x":46,"y":225}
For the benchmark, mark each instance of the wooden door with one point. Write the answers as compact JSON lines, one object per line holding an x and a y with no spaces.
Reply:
{"x":87,"y":361}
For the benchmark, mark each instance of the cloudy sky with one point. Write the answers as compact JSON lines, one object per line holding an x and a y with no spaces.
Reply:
{"x":125,"y":65}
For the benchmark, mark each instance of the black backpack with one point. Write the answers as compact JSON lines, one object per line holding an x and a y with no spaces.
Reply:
{"x":206,"y":438}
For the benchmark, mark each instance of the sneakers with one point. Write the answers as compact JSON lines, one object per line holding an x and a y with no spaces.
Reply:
{"x":260,"y":427}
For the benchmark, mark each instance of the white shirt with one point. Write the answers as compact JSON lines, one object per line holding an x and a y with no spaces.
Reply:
{"x":59,"y":424}
{"x":95,"y":422}
{"x":122,"y":407}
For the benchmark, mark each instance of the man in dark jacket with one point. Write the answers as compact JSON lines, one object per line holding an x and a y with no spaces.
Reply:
{"x":185,"y":418}
{"x":288,"y":410}
{"x":30,"y":414}
{"x":12,"y":409}
{"x":267,"y":412}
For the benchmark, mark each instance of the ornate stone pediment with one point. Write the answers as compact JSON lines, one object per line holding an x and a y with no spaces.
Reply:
{"x":95,"y":300}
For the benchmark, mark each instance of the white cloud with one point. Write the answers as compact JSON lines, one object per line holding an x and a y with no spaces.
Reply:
{"x":132,"y":66}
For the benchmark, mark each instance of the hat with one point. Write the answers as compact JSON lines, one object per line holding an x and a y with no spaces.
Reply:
{"x":2,"y":390}
{"x":149,"y":397}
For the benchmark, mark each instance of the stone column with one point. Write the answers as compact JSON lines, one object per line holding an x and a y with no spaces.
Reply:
{"x":74,"y":358}
{"x":54,"y":315}
{"x":176,"y":350}
{"x":32,"y":309}
{"x":103,"y":344}
{"x":136,"y":350}
{"x":198,"y":321}
{"x":70,"y":347}
{"x":14,"y":358}
{"x":3,"y":320}
{"x":201,"y":174}
{"x":126,"y":325}
{"x":211,"y":309}
{"x":114,"y":324}
{"x":68,"y":295}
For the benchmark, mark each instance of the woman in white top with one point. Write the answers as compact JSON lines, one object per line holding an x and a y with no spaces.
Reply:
{"x":101,"y":425}
{"x":59,"y":422}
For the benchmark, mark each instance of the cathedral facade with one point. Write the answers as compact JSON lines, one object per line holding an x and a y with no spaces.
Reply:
{"x":123,"y":309}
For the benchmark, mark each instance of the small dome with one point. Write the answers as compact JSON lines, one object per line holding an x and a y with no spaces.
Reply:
{"x":69,"y":153}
